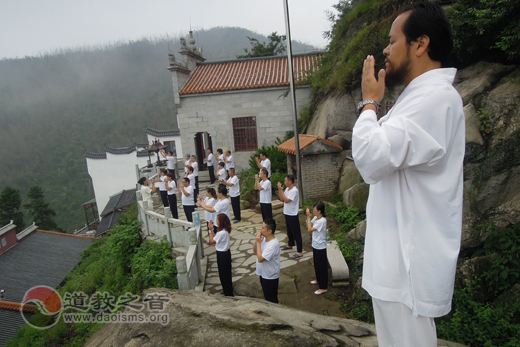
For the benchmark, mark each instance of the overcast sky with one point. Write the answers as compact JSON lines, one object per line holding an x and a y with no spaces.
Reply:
{"x":31,"y":27}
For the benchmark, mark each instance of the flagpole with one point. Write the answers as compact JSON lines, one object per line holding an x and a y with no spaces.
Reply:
{"x":293,"y":99}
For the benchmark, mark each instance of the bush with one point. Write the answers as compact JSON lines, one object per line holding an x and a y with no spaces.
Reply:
{"x":475,"y":323}
{"x":278,"y":159}
{"x":347,"y":217}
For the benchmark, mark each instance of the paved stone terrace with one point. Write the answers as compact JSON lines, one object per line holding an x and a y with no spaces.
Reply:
{"x":242,"y":240}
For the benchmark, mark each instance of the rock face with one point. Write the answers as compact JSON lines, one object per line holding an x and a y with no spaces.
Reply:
{"x":491,"y":94}
{"x":199,"y":319}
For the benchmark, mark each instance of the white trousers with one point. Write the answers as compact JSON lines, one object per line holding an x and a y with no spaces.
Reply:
{"x":396,"y":326}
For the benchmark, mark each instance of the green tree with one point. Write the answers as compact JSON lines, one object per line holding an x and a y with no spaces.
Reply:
{"x":42,"y":214}
{"x":10,"y":204}
{"x":275,"y":46}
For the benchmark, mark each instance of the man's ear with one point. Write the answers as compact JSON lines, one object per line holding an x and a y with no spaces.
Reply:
{"x":423,"y":45}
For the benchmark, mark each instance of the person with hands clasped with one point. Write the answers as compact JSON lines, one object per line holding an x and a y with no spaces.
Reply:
{"x":234,"y":193}
{"x":188,"y":202}
{"x":222,"y":241}
{"x":161,"y":177}
{"x":412,"y":158}
{"x":263,"y":163}
{"x":146,"y":192}
{"x":264,"y":186}
{"x":267,"y":250}
{"x":291,"y":205}
{"x":318,"y":227}
{"x":222,"y":205}
{"x":171,"y":187}
{"x":209,"y":200}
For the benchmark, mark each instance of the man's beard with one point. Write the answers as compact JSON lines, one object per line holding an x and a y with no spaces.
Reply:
{"x":396,"y":77}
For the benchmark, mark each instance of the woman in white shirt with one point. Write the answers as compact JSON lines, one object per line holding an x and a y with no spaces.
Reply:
{"x":171,"y":187}
{"x":161,"y":177}
{"x":187,"y":199}
{"x":146,"y":192}
{"x":223,"y":241}
{"x":210,"y":200}
{"x":221,"y":173}
{"x":318,"y":227}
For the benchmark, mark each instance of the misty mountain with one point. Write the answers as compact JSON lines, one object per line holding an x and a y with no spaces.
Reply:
{"x":55,"y":107}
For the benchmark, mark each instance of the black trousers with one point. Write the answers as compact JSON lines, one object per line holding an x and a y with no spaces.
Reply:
{"x":172,"y":200}
{"x":224,"y":271}
{"x":189,"y":210}
{"x":321,"y":267}
{"x":267,"y":211}
{"x":270,"y":289}
{"x":294,"y":232}
{"x":235,"y":203}
{"x":172,"y":171}
{"x":164,"y":197}
{"x":211,"y":174}
{"x":196,"y":194}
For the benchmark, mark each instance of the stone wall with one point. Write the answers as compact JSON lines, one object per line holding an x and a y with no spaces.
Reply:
{"x":213,"y":113}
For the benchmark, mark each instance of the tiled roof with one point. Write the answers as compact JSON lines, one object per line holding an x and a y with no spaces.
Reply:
{"x":120,"y":150}
{"x":247,"y":74}
{"x":38,"y":259}
{"x":141,"y":154}
{"x":91,"y":155}
{"x":305,"y":140}
{"x":14,"y":306}
{"x":163,"y":133}
{"x":115,"y":207}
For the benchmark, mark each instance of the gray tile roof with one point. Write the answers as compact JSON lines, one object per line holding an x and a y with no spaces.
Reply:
{"x":114,"y":208}
{"x":38,"y":259}
{"x":163,"y":133}
{"x":91,"y":155}
{"x":11,"y":321}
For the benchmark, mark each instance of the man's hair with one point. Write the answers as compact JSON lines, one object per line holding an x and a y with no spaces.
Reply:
{"x":141,"y":180}
{"x":219,"y":150}
{"x":270,"y":224}
{"x":170,"y":153}
{"x":186,"y":179}
{"x":290,"y":178}
{"x":222,"y":164}
{"x":194,"y":156}
{"x":264,"y":154}
{"x":232,"y":169}
{"x":428,"y":18}
{"x":265,"y":172}
{"x":222,"y":189}
{"x":228,"y":151}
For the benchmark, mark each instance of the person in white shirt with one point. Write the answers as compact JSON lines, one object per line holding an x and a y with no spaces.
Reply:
{"x":210,"y":162}
{"x":222,"y":241}
{"x":220,"y":156}
{"x":230,"y":163}
{"x":209,"y":200}
{"x":186,"y":191}
{"x":264,"y":186}
{"x":222,"y":206}
{"x":161,"y":177}
{"x":171,"y":187}
{"x":234,"y":193}
{"x":195,"y":167}
{"x":187,"y":162}
{"x":171,"y":160}
{"x":413,"y":160}
{"x":267,"y":250}
{"x":146,"y":192}
{"x":264,"y":163}
{"x":191,"y":177}
{"x":318,"y":227}
{"x":221,"y":172}
{"x":291,"y":205}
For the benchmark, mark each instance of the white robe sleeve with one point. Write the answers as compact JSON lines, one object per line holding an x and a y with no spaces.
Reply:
{"x":413,"y":136}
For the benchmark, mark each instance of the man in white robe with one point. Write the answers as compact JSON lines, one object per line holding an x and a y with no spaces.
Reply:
{"x":413,"y":160}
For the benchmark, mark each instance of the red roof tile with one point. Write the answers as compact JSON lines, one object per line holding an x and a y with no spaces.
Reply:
{"x":304,"y":140}
{"x":14,"y":306}
{"x":247,"y":74}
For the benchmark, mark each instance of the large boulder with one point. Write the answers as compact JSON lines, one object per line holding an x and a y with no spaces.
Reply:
{"x":350,"y":175}
{"x":200,"y":319}
{"x":357,"y":196}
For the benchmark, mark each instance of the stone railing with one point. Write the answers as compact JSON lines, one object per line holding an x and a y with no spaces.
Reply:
{"x":179,"y":234}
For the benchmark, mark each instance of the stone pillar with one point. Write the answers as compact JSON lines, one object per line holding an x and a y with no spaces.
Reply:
{"x":182,"y":273}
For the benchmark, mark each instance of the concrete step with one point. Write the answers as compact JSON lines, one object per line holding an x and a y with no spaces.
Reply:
{"x":337,"y":263}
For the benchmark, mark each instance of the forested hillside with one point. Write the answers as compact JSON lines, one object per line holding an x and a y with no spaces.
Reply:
{"x":55,"y":107}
